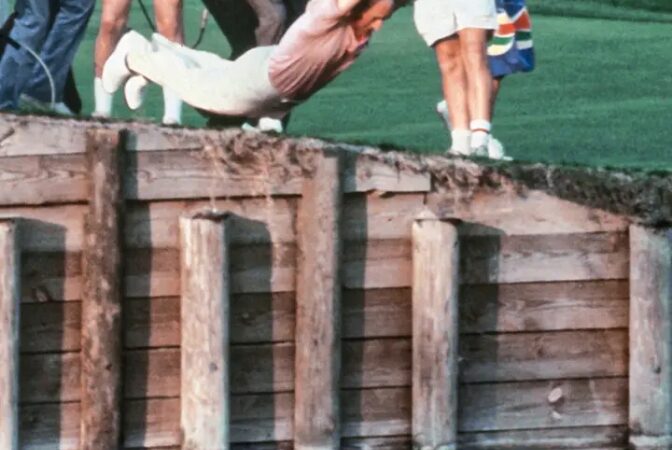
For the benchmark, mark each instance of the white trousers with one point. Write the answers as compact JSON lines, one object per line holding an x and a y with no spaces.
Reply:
{"x":209,"y":82}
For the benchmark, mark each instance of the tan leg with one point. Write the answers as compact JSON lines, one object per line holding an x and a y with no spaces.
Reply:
{"x":113,"y":19}
{"x":473,"y":48}
{"x":169,"y":19}
{"x":454,"y":81}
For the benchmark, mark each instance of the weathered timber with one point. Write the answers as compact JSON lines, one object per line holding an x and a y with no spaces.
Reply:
{"x":436,"y":261}
{"x":49,"y":228}
{"x":38,"y":180}
{"x":205,"y":363}
{"x":262,"y":268}
{"x":584,"y":438}
{"x":318,"y":309}
{"x":102,"y":295}
{"x":10,"y":266}
{"x":51,"y":326}
{"x":529,"y":213}
{"x":371,"y":363}
{"x":370,"y":412}
{"x":543,"y":404}
{"x":365,"y":217}
{"x":602,"y":438}
{"x":650,"y":338}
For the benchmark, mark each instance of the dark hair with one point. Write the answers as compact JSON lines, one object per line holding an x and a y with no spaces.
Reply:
{"x":362,"y":6}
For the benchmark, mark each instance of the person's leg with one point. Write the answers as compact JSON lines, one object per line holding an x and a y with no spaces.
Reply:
{"x":234,"y":88}
{"x":59,"y":48}
{"x":113,"y":19}
{"x":237,"y":21}
{"x":455,"y":91}
{"x":30,"y":29}
{"x":169,"y":24}
{"x":473,"y":45}
{"x":271,"y":16}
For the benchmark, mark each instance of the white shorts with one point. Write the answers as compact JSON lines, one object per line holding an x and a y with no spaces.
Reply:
{"x":439,"y":19}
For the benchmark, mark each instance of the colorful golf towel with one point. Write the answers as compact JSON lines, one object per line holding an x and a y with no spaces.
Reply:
{"x":511,"y":49}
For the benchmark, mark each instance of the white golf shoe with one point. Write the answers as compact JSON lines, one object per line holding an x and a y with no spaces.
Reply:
{"x":115,"y":70}
{"x":442,"y":111}
{"x":496,"y":150}
{"x":134,"y":91}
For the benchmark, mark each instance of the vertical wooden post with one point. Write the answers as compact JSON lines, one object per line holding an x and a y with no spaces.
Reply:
{"x":101,"y":303}
{"x":318,"y":310}
{"x":10,"y":289}
{"x":650,"y":338}
{"x":205,"y":332}
{"x":436,"y":259}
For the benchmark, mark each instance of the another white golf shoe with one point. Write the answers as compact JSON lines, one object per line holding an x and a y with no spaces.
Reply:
{"x":496,"y":150}
{"x":134,"y":91}
{"x":115,"y":70}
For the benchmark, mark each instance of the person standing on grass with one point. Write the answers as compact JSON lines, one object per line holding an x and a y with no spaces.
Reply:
{"x":52,"y":29}
{"x":510,"y":51}
{"x":113,"y":20}
{"x":458,"y":31}
{"x":263,"y":82}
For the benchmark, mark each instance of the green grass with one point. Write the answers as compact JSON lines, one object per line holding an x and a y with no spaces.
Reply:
{"x":601,"y":94}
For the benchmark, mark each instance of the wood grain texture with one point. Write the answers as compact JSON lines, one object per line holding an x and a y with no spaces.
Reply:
{"x":372,"y":363}
{"x":10,"y":318}
{"x":50,"y":326}
{"x":38,"y":180}
{"x":650,"y":338}
{"x":102,"y":295}
{"x":369,"y":412}
{"x":204,"y":317}
{"x":385,"y":264}
{"x":436,"y":262}
{"x":531,"y":212}
{"x":365,"y":216}
{"x":318,"y":309}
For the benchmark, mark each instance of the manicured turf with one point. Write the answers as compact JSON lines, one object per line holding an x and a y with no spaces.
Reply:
{"x":601,"y":94}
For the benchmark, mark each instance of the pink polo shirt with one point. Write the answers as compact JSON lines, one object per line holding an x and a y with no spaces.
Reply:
{"x":316,"y":48}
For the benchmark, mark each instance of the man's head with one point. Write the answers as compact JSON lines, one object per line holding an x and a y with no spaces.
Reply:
{"x":368,"y":16}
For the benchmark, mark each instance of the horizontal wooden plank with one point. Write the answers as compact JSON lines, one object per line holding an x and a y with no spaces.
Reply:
{"x":184,"y":174}
{"x":30,"y":135}
{"x":199,"y":174}
{"x":59,"y":228}
{"x":49,"y":228}
{"x":564,"y":257}
{"x":544,"y":306}
{"x":265,"y":220}
{"x":256,"y":318}
{"x":36,"y":180}
{"x":531,"y":212}
{"x":543,"y":404}
{"x":593,"y":438}
{"x":370,"y":412}
{"x":366,"y":364}
{"x":252,"y":221}
{"x":371,"y":265}
{"x":603,"y":438}
{"x":543,"y":356}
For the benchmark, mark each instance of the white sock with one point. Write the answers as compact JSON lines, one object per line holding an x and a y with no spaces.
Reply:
{"x":461,"y":141}
{"x":102,"y":99}
{"x":172,"y":108}
{"x":480,"y":133}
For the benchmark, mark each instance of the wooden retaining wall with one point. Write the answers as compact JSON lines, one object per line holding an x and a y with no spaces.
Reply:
{"x":543,"y":311}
